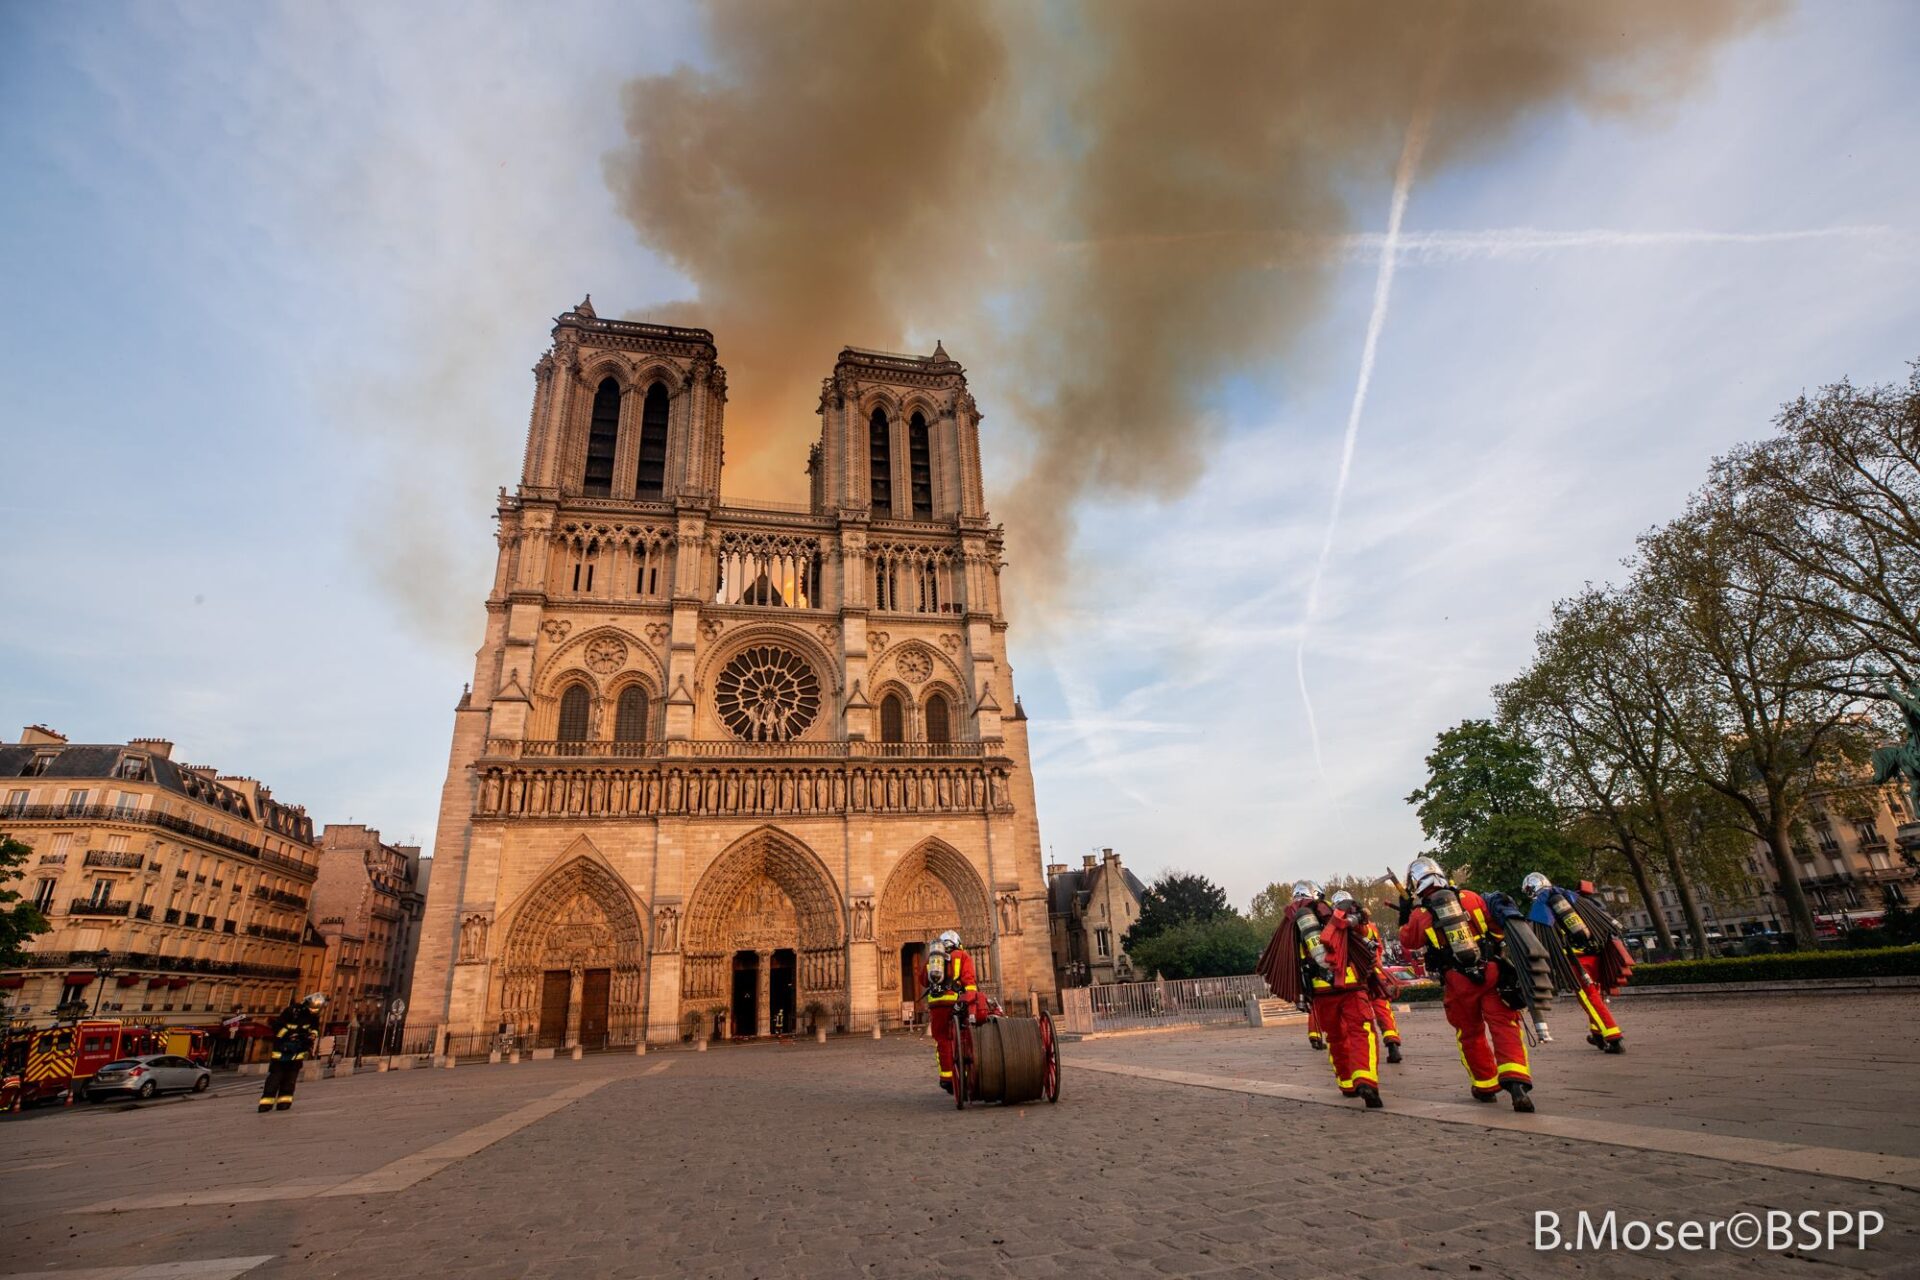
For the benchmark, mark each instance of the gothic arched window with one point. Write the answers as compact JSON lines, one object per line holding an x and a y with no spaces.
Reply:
{"x":573,"y":714}
{"x":920,"y":460}
{"x":651,"y":482}
{"x":939,"y":721}
{"x":603,"y":437}
{"x":630,"y":715}
{"x":880,"y":462}
{"x":892,"y":719}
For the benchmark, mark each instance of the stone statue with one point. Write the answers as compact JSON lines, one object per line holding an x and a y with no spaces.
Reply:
{"x":473,"y":938}
{"x":1903,"y":758}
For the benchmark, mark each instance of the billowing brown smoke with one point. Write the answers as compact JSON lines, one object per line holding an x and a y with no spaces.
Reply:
{"x":1117,"y":176}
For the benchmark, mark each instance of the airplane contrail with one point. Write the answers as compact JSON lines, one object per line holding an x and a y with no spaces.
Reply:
{"x":1382,"y":291}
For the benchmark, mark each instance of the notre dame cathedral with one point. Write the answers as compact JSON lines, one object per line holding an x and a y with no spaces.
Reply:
{"x":725,"y":766}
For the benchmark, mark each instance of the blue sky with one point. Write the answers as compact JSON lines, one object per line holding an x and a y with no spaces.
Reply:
{"x":273,"y":283}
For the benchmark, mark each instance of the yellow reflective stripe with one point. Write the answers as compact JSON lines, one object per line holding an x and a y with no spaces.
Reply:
{"x":971,"y":987}
{"x":1350,"y":978}
{"x":1480,"y":918}
{"x":1460,"y":1038}
{"x":1433,"y":937}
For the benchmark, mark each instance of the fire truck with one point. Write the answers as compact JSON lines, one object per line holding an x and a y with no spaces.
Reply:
{"x":57,"y":1061}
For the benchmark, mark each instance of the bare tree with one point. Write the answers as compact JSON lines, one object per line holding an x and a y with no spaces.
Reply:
{"x":1759,"y":691}
{"x":1837,"y":495}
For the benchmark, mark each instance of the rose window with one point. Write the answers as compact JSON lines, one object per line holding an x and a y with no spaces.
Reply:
{"x":767,"y":694}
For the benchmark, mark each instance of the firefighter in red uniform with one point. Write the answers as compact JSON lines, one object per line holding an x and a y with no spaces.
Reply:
{"x":1462,"y":941}
{"x":1337,"y":972}
{"x":1363,"y":924}
{"x":1560,"y":910}
{"x":956,"y":993}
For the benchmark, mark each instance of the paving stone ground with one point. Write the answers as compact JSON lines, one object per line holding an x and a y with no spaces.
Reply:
{"x":843,"y":1160}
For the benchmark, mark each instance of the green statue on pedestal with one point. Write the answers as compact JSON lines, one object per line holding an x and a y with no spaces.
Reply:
{"x":1904,"y":758}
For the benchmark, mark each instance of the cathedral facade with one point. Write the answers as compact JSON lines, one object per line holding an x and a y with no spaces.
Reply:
{"x":727,"y":766}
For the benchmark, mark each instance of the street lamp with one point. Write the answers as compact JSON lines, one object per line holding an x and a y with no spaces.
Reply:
{"x":103,"y":969}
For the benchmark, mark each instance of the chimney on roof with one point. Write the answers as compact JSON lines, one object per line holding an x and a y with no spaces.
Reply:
{"x":154,"y":747}
{"x":1086,"y":862}
{"x":38,"y":735}
{"x":1110,"y":857}
{"x":1056,"y":869}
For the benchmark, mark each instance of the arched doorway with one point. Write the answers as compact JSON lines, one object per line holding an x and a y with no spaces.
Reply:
{"x":574,"y":962}
{"x":744,"y":1008}
{"x":770,"y":898}
{"x":932,"y":889}
{"x":913,"y":977}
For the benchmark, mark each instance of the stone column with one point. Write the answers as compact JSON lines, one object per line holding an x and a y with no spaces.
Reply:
{"x":576,"y":980}
{"x":764,"y":1002}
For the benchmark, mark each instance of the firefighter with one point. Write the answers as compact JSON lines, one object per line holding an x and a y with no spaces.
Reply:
{"x":1586,"y":939}
{"x":952,"y":991}
{"x":1335,"y":971}
{"x":1389,"y":1030}
{"x":294,"y":1035}
{"x":1462,"y":941}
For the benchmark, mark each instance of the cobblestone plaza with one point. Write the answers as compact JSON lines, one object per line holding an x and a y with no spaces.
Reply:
{"x":842,"y":1160}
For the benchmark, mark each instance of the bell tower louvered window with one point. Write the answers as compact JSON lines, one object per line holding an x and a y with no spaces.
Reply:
{"x":920,"y":460}
{"x":892,"y":719}
{"x":651,"y":481}
{"x":880,"y":462}
{"x":630,"y":716}
{"x":939,"y":723}
{"x":573,"y":714}
{"x":603,"y":437}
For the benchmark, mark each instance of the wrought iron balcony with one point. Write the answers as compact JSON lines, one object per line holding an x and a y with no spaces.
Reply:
{"x":153,"y":818}
{"x":115,"y":858}
{"x":88,"y":907}
{"x":143,"y":912}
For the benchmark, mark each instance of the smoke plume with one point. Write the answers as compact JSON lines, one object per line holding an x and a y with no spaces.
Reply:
{"x":1094,"y":191}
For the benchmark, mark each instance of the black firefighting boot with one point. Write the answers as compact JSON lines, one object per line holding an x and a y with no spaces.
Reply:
{"x":285,"y":1104}
{"x":1593,"y":1038}
{"x":1368,"y":1094}
{"x":1393,"y":1051}
{"x":1315,"y":1040}
{"x":1617,"y":1045}
{"x":266,"y":1105}
{"x":1522,"y":1095}
{"x":1485,"y":1095}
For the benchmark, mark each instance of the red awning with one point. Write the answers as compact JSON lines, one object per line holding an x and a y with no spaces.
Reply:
{"x":249,"y":1030}
{"x":12,"y":981}
{"x":80,"y":979}
{"x":177,"y":983}
{"x":129,"y":979}
{"x":155,"y":982}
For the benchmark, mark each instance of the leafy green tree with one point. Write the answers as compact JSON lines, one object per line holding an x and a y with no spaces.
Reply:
{"x":1177,"y":897}
{"x":1484,"y":804}
{"x":19,"y":920}
{"x":1271,"y":902}
{"x":1218,"y":947}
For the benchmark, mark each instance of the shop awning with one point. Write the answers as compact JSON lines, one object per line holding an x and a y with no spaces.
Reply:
{"x":12,"y":981}
{"x":248,"y":1030}
{"x":177,"y":983}
{"x":129,"y":979}
{"x":81,"y":979}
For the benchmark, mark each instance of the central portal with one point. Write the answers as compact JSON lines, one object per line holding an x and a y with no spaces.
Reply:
{"x":745,"y":1012}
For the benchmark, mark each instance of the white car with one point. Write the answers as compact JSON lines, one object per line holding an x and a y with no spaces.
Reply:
{"x":145,"y":1076}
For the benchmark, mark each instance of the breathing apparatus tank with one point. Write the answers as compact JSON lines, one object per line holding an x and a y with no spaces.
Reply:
{"x":1307,"y":921}
{"x":1569,"y":918}
{"x":1450,"y":919}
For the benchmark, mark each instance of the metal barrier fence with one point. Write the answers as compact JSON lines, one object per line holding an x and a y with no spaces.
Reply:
{"x":1121,"y":1006}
